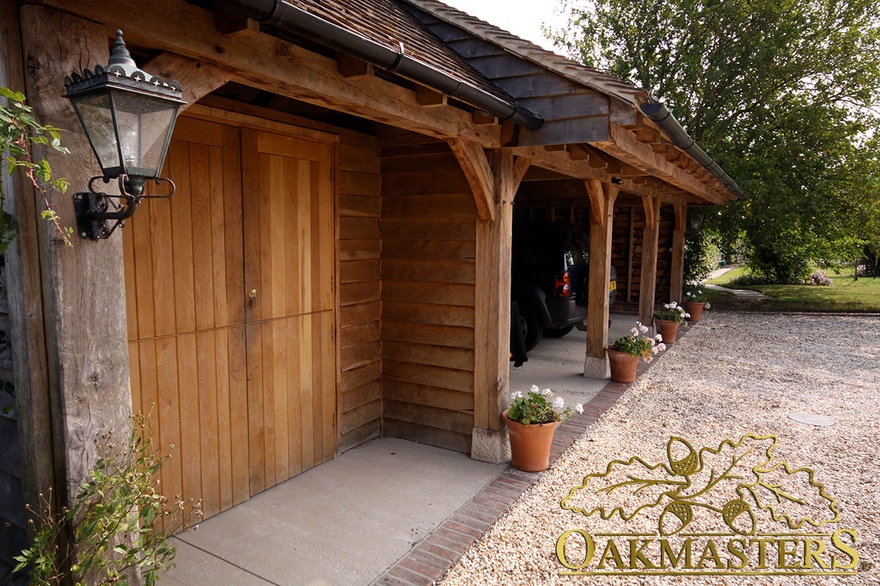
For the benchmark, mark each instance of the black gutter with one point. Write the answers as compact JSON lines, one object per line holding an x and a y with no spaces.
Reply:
{"x":291,"y":19}
{"x":657,"y":112}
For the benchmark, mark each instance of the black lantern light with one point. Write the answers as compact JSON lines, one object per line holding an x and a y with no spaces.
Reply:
{"x":128,"y":116}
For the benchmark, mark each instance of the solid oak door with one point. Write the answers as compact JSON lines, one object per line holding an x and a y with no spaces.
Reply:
{"x":243,"y":387}
{"x":289,"y":268}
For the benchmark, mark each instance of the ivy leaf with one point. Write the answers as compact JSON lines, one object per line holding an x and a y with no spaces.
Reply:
{"x":724,"y":469}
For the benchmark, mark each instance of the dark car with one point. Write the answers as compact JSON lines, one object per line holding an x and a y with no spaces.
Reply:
{"x":550,"y":267}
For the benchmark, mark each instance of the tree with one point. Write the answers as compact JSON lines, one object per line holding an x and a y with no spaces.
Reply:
{"x":780,"y":92}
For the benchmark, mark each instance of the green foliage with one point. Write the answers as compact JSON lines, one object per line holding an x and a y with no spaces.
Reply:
{"x":121,"y":522}
{"x":638,"y":344}
{"x":701,"y":255}
{"x":781,"y":94}
{"x":539,"y":407}
{"x":19,"y":132}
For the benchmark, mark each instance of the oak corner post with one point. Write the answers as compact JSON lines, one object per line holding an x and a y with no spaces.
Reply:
{"x":84,"y":320}
{"x":676,"y":284}
{"x":602,"y":197}
{"x":647,"y":291}
{"x":492,"y":305}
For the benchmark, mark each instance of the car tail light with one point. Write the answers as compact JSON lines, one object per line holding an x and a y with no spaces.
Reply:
{"x":562,"y":286}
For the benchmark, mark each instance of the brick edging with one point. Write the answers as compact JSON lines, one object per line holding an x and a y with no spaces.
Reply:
{"x":432,"y":557}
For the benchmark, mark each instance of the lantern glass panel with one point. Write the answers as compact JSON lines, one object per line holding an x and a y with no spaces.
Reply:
{"x":144,"y":125}
{"x":96,"y":115}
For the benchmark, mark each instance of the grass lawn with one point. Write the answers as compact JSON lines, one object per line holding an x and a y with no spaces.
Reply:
{"x":844,"y":295}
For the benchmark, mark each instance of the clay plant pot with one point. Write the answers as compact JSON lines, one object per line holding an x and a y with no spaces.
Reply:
{"x":695,"y":308}
{"x":623,"y":366}
{"x":530,"y":444}
{"x":668,"y":329}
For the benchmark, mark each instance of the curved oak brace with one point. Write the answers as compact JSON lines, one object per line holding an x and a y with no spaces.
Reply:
{"x":475,"y":164}
{"x":197,"y":78}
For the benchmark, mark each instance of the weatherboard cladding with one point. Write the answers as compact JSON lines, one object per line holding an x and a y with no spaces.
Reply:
{"x":387,"y":24}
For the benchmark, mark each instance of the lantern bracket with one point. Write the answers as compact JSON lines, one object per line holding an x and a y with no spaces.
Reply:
{"x":94,"y":209}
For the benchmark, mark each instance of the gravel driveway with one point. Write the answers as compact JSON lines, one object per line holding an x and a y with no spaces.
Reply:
{"x":731,"y":375}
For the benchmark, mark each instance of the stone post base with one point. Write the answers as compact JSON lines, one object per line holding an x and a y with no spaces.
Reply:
{"x":490,"y":446}
{"x":596,"y":367}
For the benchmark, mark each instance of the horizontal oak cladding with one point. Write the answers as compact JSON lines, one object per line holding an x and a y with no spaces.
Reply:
{"x":438,"y":183}
{"x":362,"y":395}
{"x":421,"y":229}
{"x":430,"y":355}
{"x":428,"y":395}
{"x":457,"y":421}
{"x":441,"y":438}
{"x":444,"y":250}
{"x":357,"y":334}
{"x":443,"y":206}
{"x":359,"y":292}
{"x":359,"y":376}
{"x":360,"y":184}
{"x":430,"y":271}
{"x":358,"y":249}
{"x":445,"y":315}
{"x":362,"y":415}
{"x":358,"y":228}
{"x":358,"y":158}
{"x":358,"y":314}
{"x":438,"y":376}
{"x":360,"y":205}
{"x":448,"y":294}
{"x":359,"y":270}
{"x":355,"y":356}
{"x":360,"y":435}
{"x":439,"y":335}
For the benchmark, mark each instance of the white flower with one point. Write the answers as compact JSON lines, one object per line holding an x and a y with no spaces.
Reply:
{"x":517,"y":395}
{"x":558,"y":403}
{"x":534,"y":389}
{"x":634,"y":332}
{"x":661,"y":346}
{"x":655,"y":349}
{"x":642,"y":328}
{"x":579,"y":408}
{"x":708,"y":305}
{"x":658,"y":338}
{"x":546,"y":392}
{"x":687,"y":314}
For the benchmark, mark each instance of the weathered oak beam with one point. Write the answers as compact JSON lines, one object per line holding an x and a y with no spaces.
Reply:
{"x":197,"y":79}
{"x":623,"y":145}
{"x":560,"y":162}
{"x":277,"y":66}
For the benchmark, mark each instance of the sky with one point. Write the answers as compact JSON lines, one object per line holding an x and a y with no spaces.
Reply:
{"x":521,"y":17}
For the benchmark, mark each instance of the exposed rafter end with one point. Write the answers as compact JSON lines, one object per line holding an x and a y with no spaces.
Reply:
{"x":352,"y":67}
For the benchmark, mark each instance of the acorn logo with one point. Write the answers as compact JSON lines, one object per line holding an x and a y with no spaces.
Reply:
{"x":709,"y":505}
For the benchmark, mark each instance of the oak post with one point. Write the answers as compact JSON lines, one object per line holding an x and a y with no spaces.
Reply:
{"x":650,"y":239}
{"x":492,"y":309}
{"x":24,"y":295}
{"x":602,"y":198}
{"x":83,"y":286}
{"x":677,"y":269}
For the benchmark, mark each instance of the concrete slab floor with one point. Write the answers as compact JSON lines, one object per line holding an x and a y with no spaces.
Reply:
{"x":558,"y":364}
{"x":344,"y":522}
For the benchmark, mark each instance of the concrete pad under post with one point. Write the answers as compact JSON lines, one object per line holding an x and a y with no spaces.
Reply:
{"x":597,"y":367}
{"x":488,"y":445}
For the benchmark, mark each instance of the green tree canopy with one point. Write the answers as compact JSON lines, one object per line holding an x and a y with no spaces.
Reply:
{"x":781,"y":93}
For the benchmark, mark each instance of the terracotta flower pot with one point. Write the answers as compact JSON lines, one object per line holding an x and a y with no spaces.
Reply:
{"x":668,"y":329}
{"x":530,"y":444}
{"x":695,"y":308}
{"x":623,"y":366}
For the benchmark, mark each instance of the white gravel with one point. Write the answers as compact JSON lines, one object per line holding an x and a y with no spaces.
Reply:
{"x":731,"y":375}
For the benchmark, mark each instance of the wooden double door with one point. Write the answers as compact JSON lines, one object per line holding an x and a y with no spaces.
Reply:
{"x":231,"y":311}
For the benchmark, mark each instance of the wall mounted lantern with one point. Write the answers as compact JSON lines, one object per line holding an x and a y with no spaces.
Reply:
{"x":128,"y":116}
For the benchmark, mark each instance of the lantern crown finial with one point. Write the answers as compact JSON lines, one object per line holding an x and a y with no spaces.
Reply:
{"x":120,"y":55}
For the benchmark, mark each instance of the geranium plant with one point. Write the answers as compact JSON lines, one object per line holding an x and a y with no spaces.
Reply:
{"x":539,"y":407}
{"x":672,"y":312}
{"x":638,"y":344}
{"x":694,"y":292}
